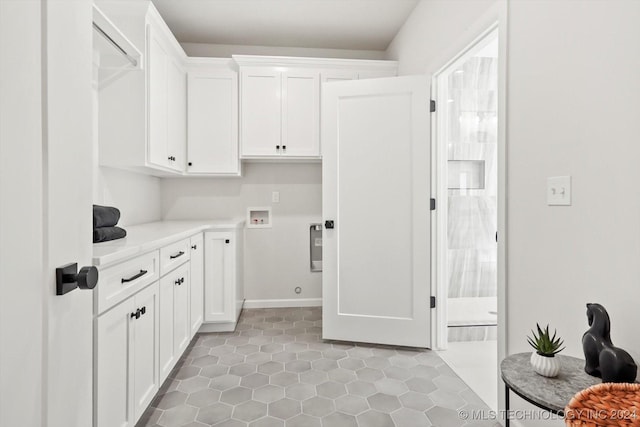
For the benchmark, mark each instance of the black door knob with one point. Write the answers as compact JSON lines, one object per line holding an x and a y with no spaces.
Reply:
{"x":68,"y":278}
{"x":329,"y":224}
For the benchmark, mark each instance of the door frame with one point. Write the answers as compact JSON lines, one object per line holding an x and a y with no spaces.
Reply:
{"x":495,"y":17}
{"x":439,"y":182}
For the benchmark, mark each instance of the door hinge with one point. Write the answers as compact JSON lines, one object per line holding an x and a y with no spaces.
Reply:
{"x":433,"y":302}
{"x":432,"y":106}
{"x":433,"y":204}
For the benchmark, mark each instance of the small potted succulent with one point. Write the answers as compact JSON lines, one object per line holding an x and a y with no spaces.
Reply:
{"x":543,"y":359}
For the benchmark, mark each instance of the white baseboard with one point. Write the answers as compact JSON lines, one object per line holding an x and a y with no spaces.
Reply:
{"x":283,"y":303}
{"x":217,"y":327}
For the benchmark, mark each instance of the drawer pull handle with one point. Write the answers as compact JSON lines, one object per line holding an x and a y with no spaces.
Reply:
{"x":143,"y":310}
{"x":134,"y":277}
{"x":179,"y":254}
{"x":194,"y":247}
{"x":180,"y":281}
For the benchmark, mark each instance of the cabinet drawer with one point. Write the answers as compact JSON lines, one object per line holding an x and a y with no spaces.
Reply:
{"x":174,"y":255}
{"x":125,"y":279}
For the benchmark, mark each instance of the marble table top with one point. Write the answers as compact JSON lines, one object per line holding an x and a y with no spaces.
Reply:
{"x":552,"y":394}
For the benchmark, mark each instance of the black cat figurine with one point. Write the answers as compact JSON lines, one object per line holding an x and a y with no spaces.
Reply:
{"x":603,"y":359}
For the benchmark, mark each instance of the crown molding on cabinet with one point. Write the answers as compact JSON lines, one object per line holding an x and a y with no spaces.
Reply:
{"x":304,"y":62}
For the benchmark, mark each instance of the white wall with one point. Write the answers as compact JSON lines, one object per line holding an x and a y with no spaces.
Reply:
{"x":225,"y":51}
{"x":137,"y":196}
{"x":426,"y":38}
{"x":276,"y":259}
{"x":573,"y":110}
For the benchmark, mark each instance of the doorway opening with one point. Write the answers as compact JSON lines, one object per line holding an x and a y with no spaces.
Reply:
{"x":466,"y":177}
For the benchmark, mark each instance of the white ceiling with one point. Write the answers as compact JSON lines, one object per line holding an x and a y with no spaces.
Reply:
{"x":330,"y":24}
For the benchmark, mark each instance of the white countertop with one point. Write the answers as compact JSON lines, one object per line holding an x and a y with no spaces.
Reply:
{"x":148,"y":237}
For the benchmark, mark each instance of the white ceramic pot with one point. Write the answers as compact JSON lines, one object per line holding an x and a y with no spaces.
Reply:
{"x":545,"y":366}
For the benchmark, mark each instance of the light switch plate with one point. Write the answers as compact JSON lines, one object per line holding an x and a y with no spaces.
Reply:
{"x":275,"y":197}
{"x":559,"y":191}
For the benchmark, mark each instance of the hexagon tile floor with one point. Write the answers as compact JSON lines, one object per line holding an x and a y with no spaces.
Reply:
{"x":276,"y":371}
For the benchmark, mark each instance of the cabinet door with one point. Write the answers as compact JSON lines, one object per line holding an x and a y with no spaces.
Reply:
{"x":260,"y":106}
{"x":376,"y":74}
{"x":196,"y":311}
{"x":145,"y":349}
{"x":176,"y":114}
{"x":113,"y":362}
{"x":219,"y":293}
{"x":157,"y":59}
{"x":301,"y":113}
{"x":338,"y":76}
{"x":181,"y":302}
{"x":213,"y":123}
{"x":167,"y":356}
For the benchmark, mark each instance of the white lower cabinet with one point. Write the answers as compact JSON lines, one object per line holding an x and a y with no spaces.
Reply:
{"x":175,"y":324}
{"x":143,"y":324}
{"x":197,"y":283}
{"x":223,"y":288}
{"x":126,"y":359}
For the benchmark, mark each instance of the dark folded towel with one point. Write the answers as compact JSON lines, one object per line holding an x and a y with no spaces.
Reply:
{"x":105,"y":234}
{"x":105,"y":216}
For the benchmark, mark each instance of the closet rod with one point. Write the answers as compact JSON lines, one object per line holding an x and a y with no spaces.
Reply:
{"x":129,"y":58}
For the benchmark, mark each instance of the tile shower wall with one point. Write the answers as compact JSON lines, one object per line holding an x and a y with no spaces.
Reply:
{"x":472,"y":217}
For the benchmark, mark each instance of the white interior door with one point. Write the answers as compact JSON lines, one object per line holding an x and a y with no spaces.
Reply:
{"x":46,"y":354}
{"x":376,"y":186}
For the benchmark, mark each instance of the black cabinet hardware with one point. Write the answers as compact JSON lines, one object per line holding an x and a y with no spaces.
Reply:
{"x":277,"y":147}
{"x":143,"y":310}
{"x":190,"y":164}
{"x":226,"y":240}
{"x":180,"y":281}
{"x":136,"y":314}
{"x":284,"y":147}
{"x":179,"y":254}
{"x":329,"y":224}
{"x":68,"y":278}
{"x":135,"y":276}
{"x":194,"y":247}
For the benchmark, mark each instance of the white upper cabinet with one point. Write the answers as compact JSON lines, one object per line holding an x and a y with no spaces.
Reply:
{"x":157,"y":75}
{"x":328,"y":76}
{"x":200,"y":116}
{"x":212,"y":145}
{"x":261,"y":111}
{"x":280,"y":101}
{"x":166,"y":100}
{"x":176,"y":114}
{"x":301,"y":113}
{"x":280,"y":112}
{"x":142,"y":115}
